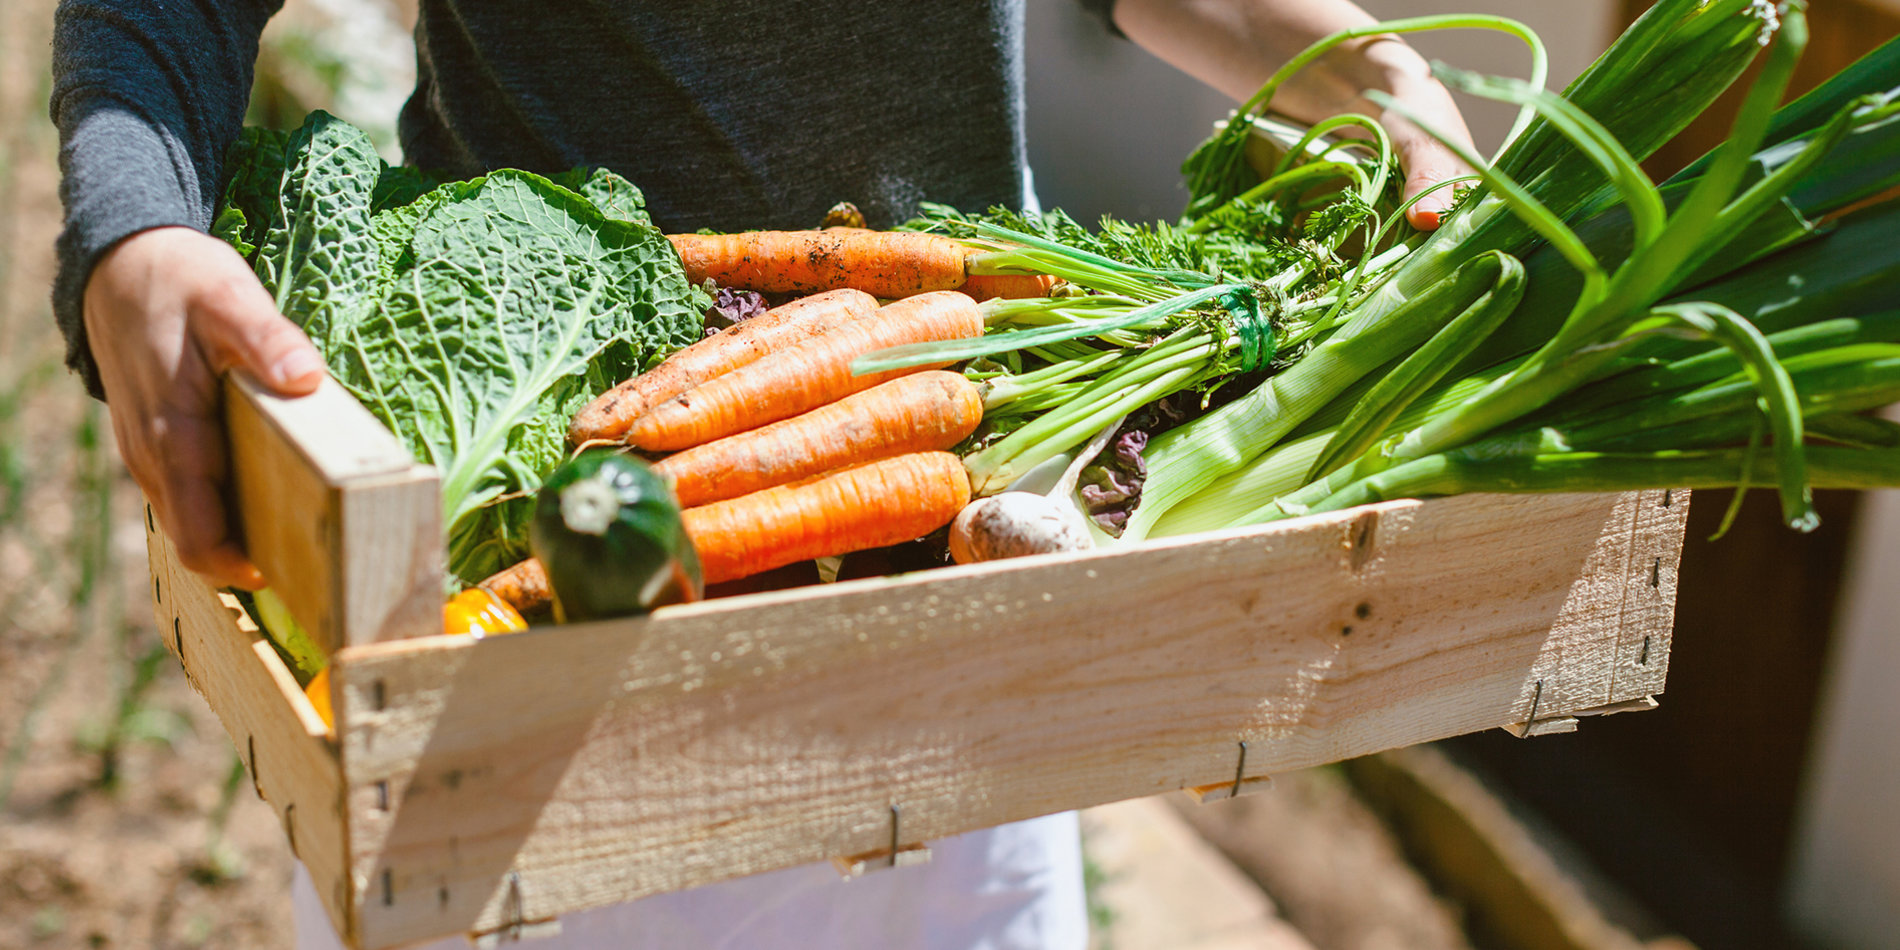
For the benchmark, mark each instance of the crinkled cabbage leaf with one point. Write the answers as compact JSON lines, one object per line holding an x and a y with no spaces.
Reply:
{"x":473,"y":318}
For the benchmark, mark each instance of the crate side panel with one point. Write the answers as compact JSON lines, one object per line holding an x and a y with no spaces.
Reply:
{"x":1649,"y":591}
{"x":610,"y":761}
{"x":390,"y":535}
{"x":292,"y":762}
{"x":346,"y":527}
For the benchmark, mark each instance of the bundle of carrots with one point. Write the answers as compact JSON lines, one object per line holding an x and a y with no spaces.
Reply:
{"x":779,"y":454}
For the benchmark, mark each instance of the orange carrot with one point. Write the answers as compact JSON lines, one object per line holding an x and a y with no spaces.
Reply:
{"x":523,"y":587}
{"x":801,"y":378}
{"x":981,"y":287}
{"x":888,"y":264}
{"x":915,"y":413}
{"x":865,"y":506}
{"x":609,"y":415}
{"x":870,"y":505}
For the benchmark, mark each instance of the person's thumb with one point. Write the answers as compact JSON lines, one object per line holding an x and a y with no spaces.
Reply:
{"x":241,"y":327}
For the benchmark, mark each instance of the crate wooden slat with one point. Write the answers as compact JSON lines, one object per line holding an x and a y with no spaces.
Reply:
{"x":346,"y":526}
{"x":291,"y":757}
{"x":471,"y":784}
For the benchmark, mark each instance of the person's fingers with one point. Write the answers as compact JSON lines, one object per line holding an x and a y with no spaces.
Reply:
{"x":165,"y":310}
{"x":1427,"y":162}
{"x":190,"y":499}
{"x":1428,"y":166}
{"x":238,"y":325}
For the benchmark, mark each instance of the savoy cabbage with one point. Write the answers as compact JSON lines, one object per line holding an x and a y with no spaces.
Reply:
{"x":473,"y":318}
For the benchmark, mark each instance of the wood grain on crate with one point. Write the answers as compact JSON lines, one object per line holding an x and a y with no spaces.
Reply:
{"x":292,"y":760}
{"x":344,"y":525}
{"x":518,"y":778}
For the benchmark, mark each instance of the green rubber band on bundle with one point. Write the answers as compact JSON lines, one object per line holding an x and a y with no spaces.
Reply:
{"x":1250,"y":324}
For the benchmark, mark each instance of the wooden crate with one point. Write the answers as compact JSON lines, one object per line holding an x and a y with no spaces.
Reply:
{"x":485,"y":786}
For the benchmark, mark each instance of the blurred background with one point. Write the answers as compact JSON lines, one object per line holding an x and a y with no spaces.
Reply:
{"x":1756,"y":808}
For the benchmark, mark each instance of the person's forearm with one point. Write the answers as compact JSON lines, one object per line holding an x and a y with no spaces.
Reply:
{"x":146,"y":97}
{"x":1234,"y":45}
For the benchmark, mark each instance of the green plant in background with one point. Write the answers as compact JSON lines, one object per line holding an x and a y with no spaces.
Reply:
{"x":350,"y":57}
{"x":1101,"y":914}
{"x":80,"y":568}
{"x":220,"y":862}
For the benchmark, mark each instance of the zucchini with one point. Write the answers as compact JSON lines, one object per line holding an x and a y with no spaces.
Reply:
{"x":607,"y":529}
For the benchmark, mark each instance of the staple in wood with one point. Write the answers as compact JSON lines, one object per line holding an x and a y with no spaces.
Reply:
{"x":1363,"y":529}
{"x":895,"y":813}
{"x":250,"y":744}
{"x":1240,"y":768}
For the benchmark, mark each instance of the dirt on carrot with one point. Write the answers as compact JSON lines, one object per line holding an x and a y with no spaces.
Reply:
{"x":865,"y":506}
{"x":523,"y":587}
{"x":609,"y":415}
{"x":917,"y":413}
{"x":801,"y":378}
{"x":887,"y":264}
{"x":981,"y":287}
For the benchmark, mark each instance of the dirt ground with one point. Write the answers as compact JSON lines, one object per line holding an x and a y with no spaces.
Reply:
{"x":124,"y":820}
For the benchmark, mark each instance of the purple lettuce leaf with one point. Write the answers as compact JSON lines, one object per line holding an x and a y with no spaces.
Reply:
{"x":730,"y":307}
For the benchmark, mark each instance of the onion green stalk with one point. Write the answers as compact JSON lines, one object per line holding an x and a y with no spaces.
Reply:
{"x":1535,"y":468}
{"x":1224,"y":440}
{"x":1656,"y":78}
{"x":1233,"y":499}
{"x":1609,"y":314}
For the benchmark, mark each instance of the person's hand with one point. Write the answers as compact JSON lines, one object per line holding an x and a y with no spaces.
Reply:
{"x":167,"y":311}
{"x":1235,"y":45}
{"x":1403,"y":74}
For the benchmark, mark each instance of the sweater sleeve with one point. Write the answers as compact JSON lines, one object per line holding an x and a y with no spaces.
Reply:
{"x":147,"y":95}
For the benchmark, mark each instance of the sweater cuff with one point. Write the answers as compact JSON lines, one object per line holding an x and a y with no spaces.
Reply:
{"x":121,"y":176}
{"x":1105,"y":9}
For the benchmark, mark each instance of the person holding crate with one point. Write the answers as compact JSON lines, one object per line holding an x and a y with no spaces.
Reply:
{"x":736,"y":115}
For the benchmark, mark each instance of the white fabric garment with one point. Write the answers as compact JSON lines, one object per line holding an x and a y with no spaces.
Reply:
{"x":1015,"y":887}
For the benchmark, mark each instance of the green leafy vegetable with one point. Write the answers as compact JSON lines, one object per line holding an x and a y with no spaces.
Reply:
{"x":472,"y":317}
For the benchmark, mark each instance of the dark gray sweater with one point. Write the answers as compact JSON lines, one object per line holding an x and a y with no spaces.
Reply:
{"x":728,"y":113}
